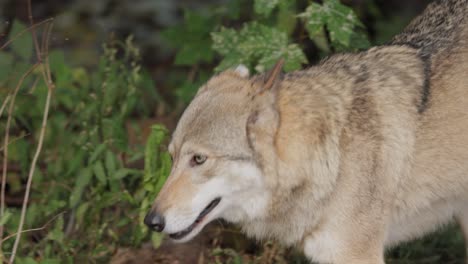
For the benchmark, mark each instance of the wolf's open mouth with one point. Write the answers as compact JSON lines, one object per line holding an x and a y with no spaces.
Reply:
{"x":200,"y":217}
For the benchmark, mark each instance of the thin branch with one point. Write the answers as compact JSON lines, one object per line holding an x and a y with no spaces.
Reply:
{"x":24,"y":31}
{"x":15,"y":139}
{"x":33,"y":33}
{"x":45,"y":69}
{"x":44,"y":50}
{"x":50,"y":84}
{"x":33,"y":88}
{"x":31,"y":174}
{"x":6,"y":141}
{"x":4,"y":104}
{"x":34,"y":229}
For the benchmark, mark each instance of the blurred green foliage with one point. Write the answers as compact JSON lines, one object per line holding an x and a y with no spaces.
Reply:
{"x":268,"y":36}
{"x":157,"y":168}
{"x":83,"y":181}
{"x":345,"y":29}
{"x":257,"y":46}
{"x":261,"y":33}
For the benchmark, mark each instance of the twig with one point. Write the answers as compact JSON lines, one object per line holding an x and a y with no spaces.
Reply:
{"x":6,"y":141}
{"x":47,"y":64}
{"x":15,"y":139}
{"x":24,"y":31}
{"x":45,"y":69}
{"x":34,"y":229}
{"x":31,"y":173}
{"x":33,"y":88}
{"x":33,"y":33}
{"x":4,"y":104}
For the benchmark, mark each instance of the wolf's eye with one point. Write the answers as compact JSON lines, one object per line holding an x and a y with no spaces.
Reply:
{"x":197,"y":159}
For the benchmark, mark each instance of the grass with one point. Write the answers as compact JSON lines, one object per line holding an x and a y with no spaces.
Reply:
{"x":444,"y":246}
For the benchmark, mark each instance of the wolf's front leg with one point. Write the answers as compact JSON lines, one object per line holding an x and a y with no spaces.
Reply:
{"x":356,"y":219}
{"x":366,"y":247}
{"x":347,"y":244}
{"x":360,"y":241}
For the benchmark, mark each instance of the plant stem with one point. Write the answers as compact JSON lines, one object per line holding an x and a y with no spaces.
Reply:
{"x":5,"y":144}
{"x":31,"y":174}
{"x":47,"y":77}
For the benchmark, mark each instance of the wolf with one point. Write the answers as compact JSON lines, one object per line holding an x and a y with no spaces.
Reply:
{"x":341,"y":160}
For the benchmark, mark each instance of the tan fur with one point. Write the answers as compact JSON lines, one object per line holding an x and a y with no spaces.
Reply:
{"x":180,"y":189}
{"x":356,"y":154}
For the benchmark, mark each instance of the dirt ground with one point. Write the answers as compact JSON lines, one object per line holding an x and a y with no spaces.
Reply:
{"x":217,"y":243}
{"x":199,"y":250}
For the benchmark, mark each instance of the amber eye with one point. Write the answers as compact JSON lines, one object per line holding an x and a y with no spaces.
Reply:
{"x":197,"y":159}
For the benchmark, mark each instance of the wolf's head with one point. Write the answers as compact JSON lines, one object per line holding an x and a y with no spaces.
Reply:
{"x":216,"y":172}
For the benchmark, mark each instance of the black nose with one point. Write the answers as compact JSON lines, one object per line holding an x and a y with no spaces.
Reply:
{"x":155,"y":221}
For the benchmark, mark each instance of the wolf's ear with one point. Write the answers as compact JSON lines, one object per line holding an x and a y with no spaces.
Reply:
{"x":273,"y":75}
{"x":263,"y":121}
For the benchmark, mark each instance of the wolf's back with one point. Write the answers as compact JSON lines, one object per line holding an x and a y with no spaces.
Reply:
{"x":438,"y":33}
{"x":439,"y":29}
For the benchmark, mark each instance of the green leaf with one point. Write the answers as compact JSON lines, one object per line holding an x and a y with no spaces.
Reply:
{"x":225,"y":40}
{"x":100,"y":173}
{"x":115,"y":129}
{"x":144,"y":207}
{"x":123,"y":222}
{"x":6,"y":63}
{"x":57,"y":233}
{"x":122,"y":173}
{"x":97,"y":152}
{"x":111,"y":162}
{"x":157,"y":162}
{"x":315,"y":18}
{"x":23,"y":45}
{"x":359,"y":40}
{"x":6,"y":216}
{"x":59,"y":67}
{"x":340,"y":21}
{"x":32,"y":214}
{"x":256,"y":45}
{"x":238,"y":260}
{"x":82,"y":180}
{"x":187,"y":90}
{"x":286,"y":18}
{"x":265,"y":7}
{"x":192,"y":38}
{"x":80,"y":76}
{"x":294,"y":58}
{"x":156,"y":239}
{"x":81,"y":212}
{"x":194,"y":53}
{"x":164,"y":170}
{"x":75,"y":162}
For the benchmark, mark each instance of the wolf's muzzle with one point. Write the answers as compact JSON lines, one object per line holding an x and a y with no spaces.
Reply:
{"x":155,"y":221}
